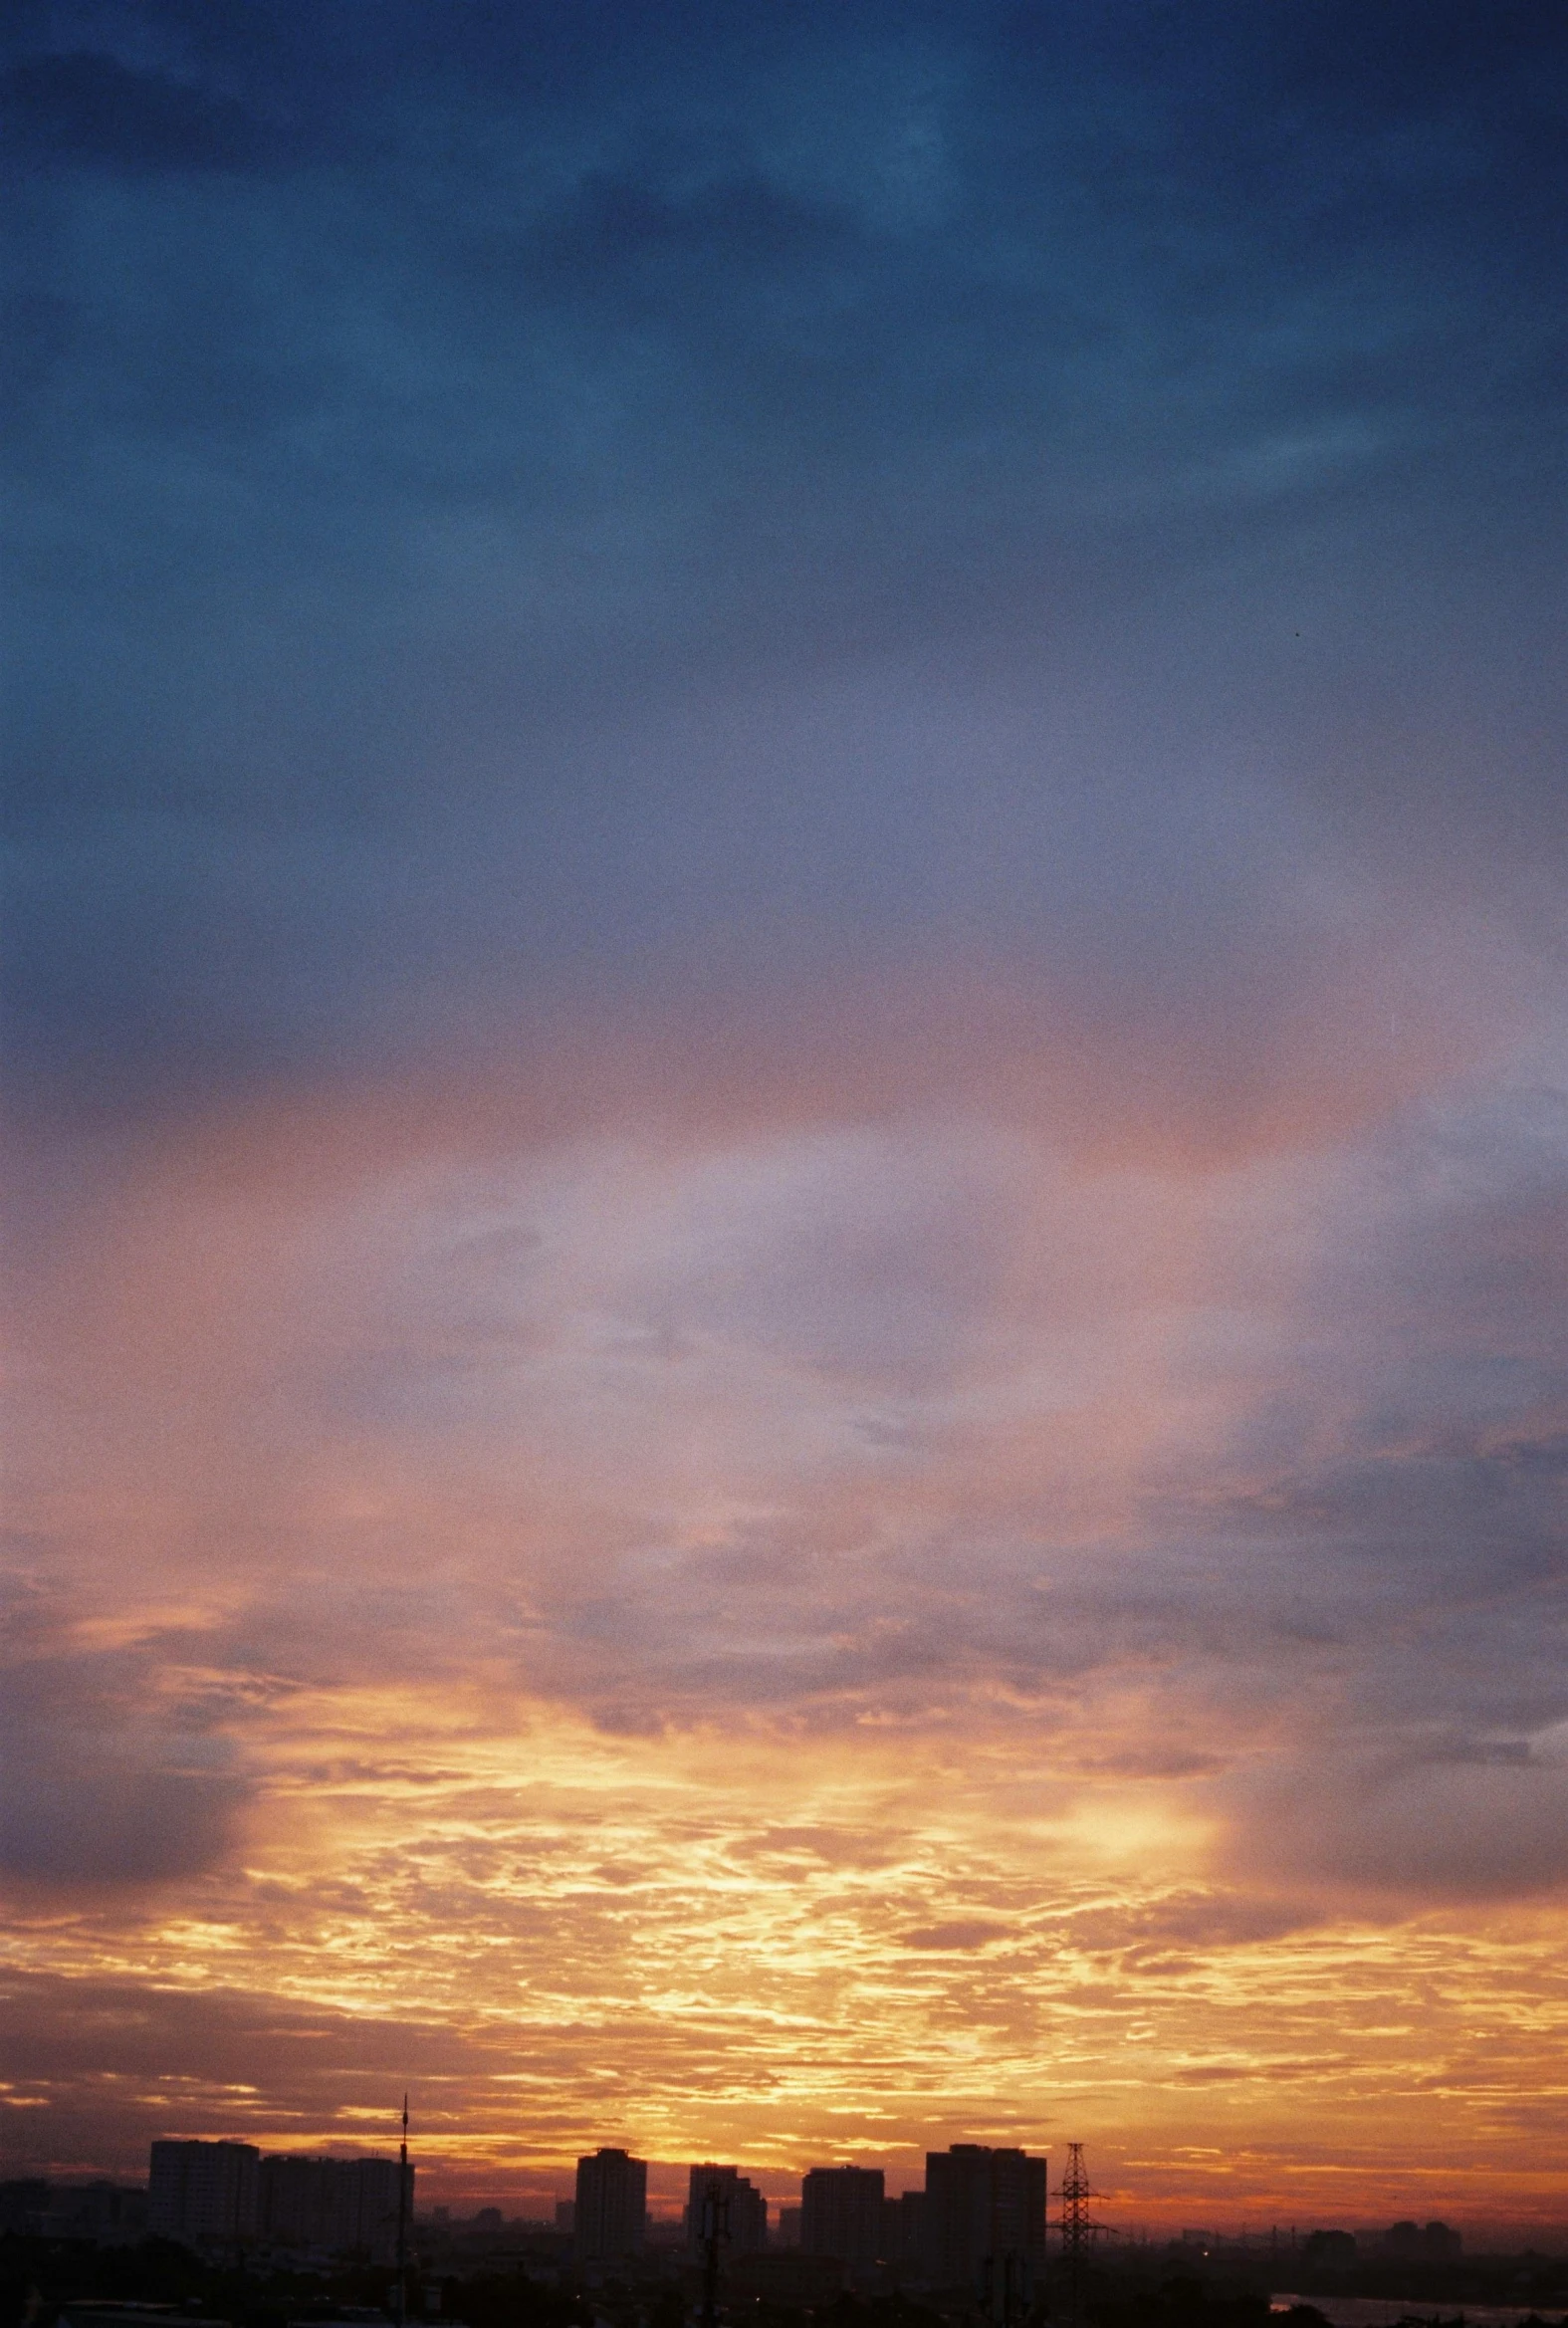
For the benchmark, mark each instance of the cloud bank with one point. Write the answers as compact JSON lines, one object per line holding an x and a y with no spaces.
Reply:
{"x":788,"y":1165}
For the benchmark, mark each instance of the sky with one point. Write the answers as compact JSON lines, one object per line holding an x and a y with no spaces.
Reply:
{"x":787,"y":1092}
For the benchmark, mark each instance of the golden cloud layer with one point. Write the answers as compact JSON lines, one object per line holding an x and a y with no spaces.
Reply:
{"x":771,"y":1628}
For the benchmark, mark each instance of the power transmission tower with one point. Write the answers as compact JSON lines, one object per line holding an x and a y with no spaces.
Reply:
{"x":1077,"y":2229}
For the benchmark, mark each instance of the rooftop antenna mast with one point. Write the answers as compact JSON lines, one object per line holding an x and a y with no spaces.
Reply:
{"x":400,"y":2294}
{"x":1077,"y":2229}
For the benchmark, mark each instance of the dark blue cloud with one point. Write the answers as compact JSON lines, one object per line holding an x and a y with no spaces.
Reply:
{"x":79,"y":108}
{"x":390,"y":398}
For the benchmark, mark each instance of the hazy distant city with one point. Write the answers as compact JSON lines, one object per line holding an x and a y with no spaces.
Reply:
{"x":978,"y":2206}
{"x":221,"y":2231}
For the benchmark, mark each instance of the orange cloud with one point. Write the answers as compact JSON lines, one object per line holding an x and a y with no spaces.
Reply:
{"x":742,"y":1617}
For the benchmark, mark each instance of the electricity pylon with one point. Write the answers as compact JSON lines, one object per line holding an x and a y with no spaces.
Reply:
{"x":1079,"y":2230}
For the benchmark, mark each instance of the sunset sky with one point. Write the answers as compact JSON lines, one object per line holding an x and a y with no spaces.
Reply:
{"x":788,"y":1091}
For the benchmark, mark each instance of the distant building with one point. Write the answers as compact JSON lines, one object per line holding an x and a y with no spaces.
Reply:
{"x":841,"y":2215}
{"x":985,"y":2212}
{"x":786,"y":2231}
{"x":903,"y":2232}
{"x":1433,"y":2241}
{"x":566,"y":2214}
{"x":743,"y":2207}
{"x":611,"y":2210}
{"x":1330,"y":2247}
{"x":294,"y":2202}
{"x":203,"y":2190}
{"x":341,"y":2206}
{"x":105,"y":2214}
{"x":24,"y":2204}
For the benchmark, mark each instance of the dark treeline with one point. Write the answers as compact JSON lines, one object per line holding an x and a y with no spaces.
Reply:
{"x":1132,"y":2288}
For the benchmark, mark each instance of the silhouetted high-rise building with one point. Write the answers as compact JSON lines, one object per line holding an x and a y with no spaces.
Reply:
{"x":346,"y":2206}
{"x":23,"y":2205}
{"x":610,"y":2209}
{"x":201,"y":2191}
{"x":296,"y":2202}
{"x":841,"y":2215}
{"x":903,"y":2231}
{"x":747,"y":2209}
{"x":109,"y":2215}
{"x":981,"y":2206}
{"x":1433,"y":2239}
{"x":105,"y":2214}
